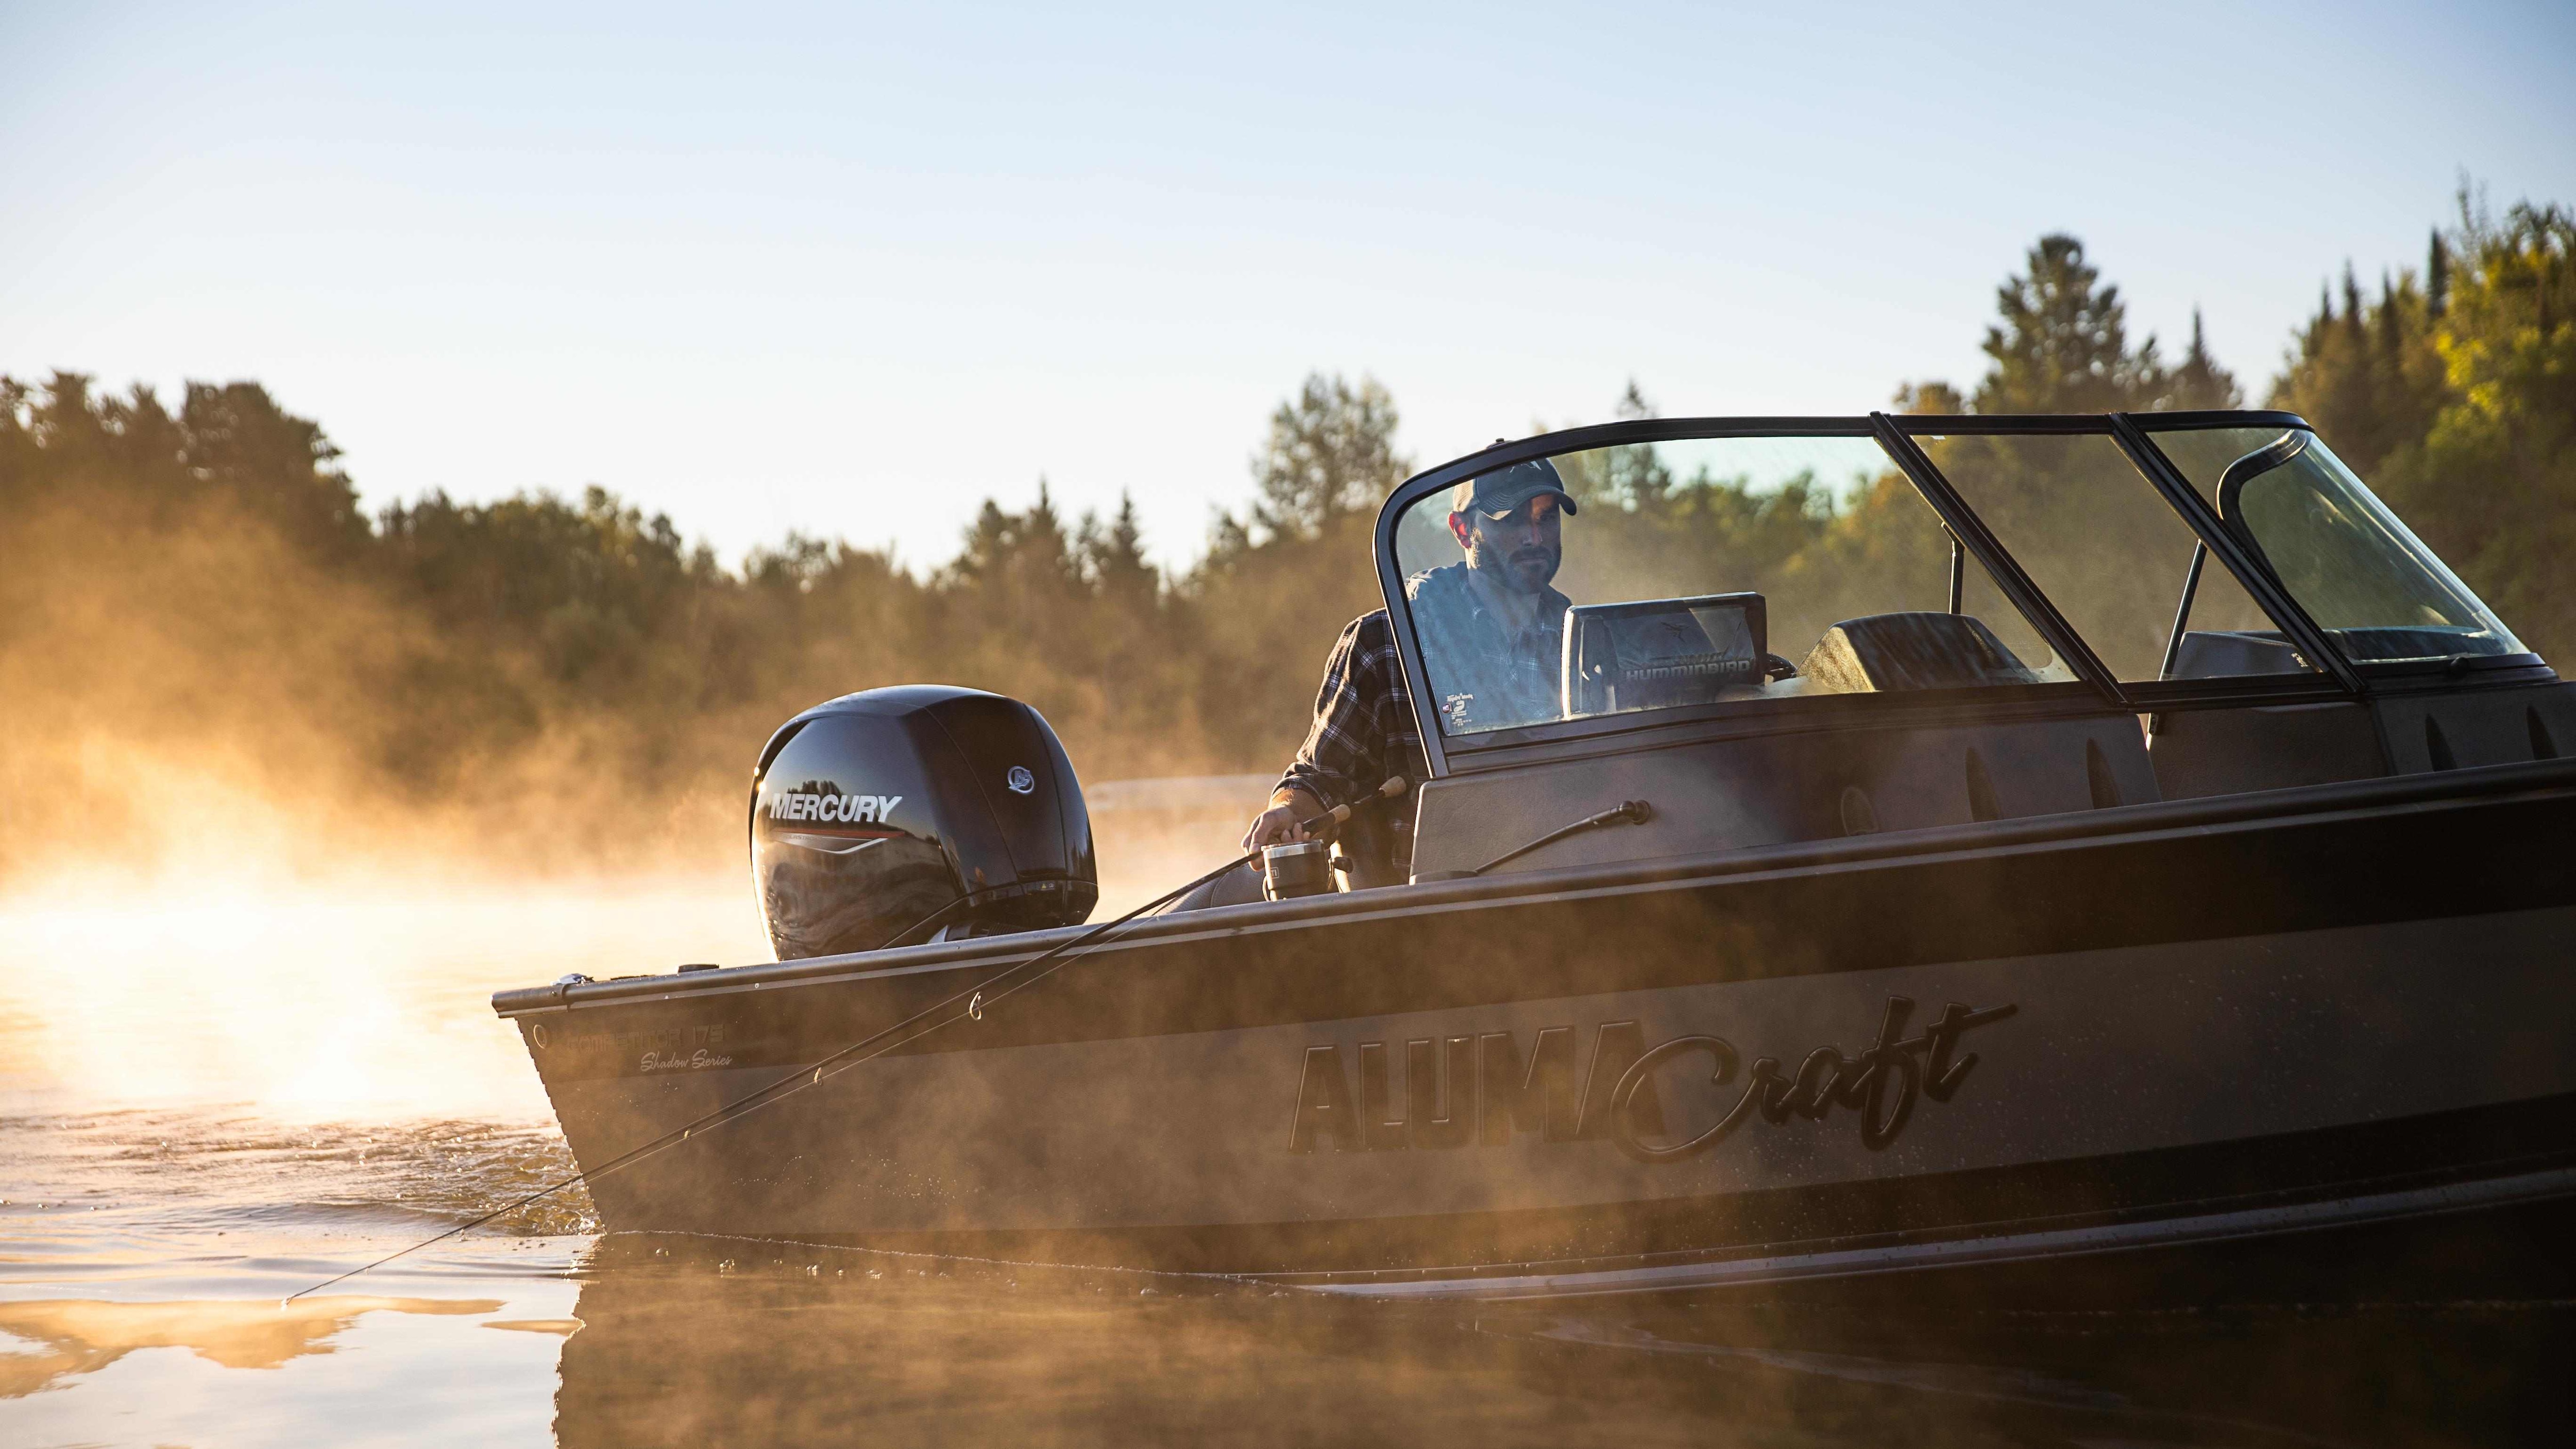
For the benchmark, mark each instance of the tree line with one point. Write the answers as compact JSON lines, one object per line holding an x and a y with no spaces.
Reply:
{"x":569,"y":676}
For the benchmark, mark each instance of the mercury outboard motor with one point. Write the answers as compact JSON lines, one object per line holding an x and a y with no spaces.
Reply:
{"x":880,"y":811}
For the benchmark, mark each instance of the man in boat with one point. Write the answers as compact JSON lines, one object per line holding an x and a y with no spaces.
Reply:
{"x":1492,"y":632}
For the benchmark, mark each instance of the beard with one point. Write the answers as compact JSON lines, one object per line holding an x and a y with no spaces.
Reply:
{"x":1524,"y":570}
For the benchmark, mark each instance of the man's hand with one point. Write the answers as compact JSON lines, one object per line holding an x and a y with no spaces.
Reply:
{"x":1278,"y":824}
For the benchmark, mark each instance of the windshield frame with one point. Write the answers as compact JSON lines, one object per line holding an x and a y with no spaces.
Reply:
{"x":2134,"y":434}
{"x":2094,"y":691}
{"x":2367,"y":673}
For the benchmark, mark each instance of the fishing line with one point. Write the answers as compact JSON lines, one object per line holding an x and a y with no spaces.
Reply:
{"x":814,"y":1073}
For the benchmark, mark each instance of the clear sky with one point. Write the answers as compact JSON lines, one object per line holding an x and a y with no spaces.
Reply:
{"x":852,"y":270}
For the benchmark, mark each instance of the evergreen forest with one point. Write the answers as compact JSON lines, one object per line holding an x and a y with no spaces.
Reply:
{"x":202,"y":632}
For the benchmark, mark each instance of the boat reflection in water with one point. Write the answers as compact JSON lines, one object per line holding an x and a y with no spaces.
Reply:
{"x":694,"y":1340}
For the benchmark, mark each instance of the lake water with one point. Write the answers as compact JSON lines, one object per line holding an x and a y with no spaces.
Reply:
{"x":217,"y":1092}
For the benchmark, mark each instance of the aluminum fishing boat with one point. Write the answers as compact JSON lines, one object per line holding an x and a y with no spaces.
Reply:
{"x":2007,"y":845}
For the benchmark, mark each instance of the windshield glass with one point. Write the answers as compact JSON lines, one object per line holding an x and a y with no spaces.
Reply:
{"x":2112,"y":555}
{"x":2366,"y":579}
{"x":1649,"y":576}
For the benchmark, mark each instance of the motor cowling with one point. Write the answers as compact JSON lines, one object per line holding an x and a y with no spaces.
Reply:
{"x":924,"y":810}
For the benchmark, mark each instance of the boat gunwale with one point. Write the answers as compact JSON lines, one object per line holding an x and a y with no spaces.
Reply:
{"x":2436,"y":790}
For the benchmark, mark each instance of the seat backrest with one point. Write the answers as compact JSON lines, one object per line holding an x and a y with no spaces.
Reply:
{"x":1911,"y":651}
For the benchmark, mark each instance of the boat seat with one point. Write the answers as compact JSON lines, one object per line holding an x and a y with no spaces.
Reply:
{"x":2226,"y":654}
{"x":1240,"y":886}
{"x":1911,"y":651}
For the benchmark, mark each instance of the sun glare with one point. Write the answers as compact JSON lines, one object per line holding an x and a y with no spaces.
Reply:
{"x":319,"y":998}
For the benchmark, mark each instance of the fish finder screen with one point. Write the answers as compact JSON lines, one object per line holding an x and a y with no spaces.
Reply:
{"x":1661,"y":651}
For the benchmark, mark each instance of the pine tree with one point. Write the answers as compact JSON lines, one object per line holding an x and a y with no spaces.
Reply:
{"x":1929,"y":397}
{"x":1635,"y":475}
{"x":1331,"y":452}
{"x":2200,"y":383}
{"x":281,"y":467}
{"x":1113,"y":556}
{"x":2369,"y":376}
{"x":2062,"y":344}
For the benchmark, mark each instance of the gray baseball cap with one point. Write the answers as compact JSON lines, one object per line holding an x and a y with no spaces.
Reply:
{"x":1496,"y":494}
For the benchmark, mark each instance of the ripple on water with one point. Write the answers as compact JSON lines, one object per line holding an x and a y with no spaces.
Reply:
{"x":111,"y":1185}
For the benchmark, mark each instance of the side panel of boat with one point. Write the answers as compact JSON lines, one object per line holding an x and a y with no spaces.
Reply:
{"x":2388,"y":1012}
{"x":2101,"y":1054}
{"x":1728,"y":794}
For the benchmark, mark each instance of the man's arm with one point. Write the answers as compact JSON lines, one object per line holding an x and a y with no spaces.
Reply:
{"x":1343,"y":756}
{"x":1278,"y":824}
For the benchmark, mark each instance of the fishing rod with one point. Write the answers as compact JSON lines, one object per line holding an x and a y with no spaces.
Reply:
{"x":815,"y":1073}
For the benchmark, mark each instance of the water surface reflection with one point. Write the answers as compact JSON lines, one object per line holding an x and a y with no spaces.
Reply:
{"x":699,"y":1341}
{"x":82,"y":1336}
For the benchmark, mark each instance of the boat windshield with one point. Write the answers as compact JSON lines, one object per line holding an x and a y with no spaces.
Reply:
{"x":1701,"y":570}
{"x":2366,"y":579}
{"x":2101,"y":542}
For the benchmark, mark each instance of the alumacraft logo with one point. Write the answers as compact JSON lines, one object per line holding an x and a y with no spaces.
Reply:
{"x":847,"y":809}
{"x":1479,"y":1087}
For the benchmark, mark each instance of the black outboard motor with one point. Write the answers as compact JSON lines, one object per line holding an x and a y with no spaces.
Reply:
{"x":877,"y":811}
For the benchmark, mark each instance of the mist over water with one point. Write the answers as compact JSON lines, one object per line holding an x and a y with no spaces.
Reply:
{"x":232,"y":1070}
{"x":230,"y":976}
{"x":319,"y":999}
{"x":231,"y":1073}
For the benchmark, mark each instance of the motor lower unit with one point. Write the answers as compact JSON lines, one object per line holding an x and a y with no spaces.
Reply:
{"x":915,"y":813}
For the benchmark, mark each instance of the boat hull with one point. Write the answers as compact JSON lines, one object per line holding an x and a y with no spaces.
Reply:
{"x":2153,"y":1031}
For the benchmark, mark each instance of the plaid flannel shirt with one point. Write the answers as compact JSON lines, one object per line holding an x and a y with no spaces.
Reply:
{"x":1364,"y":727}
